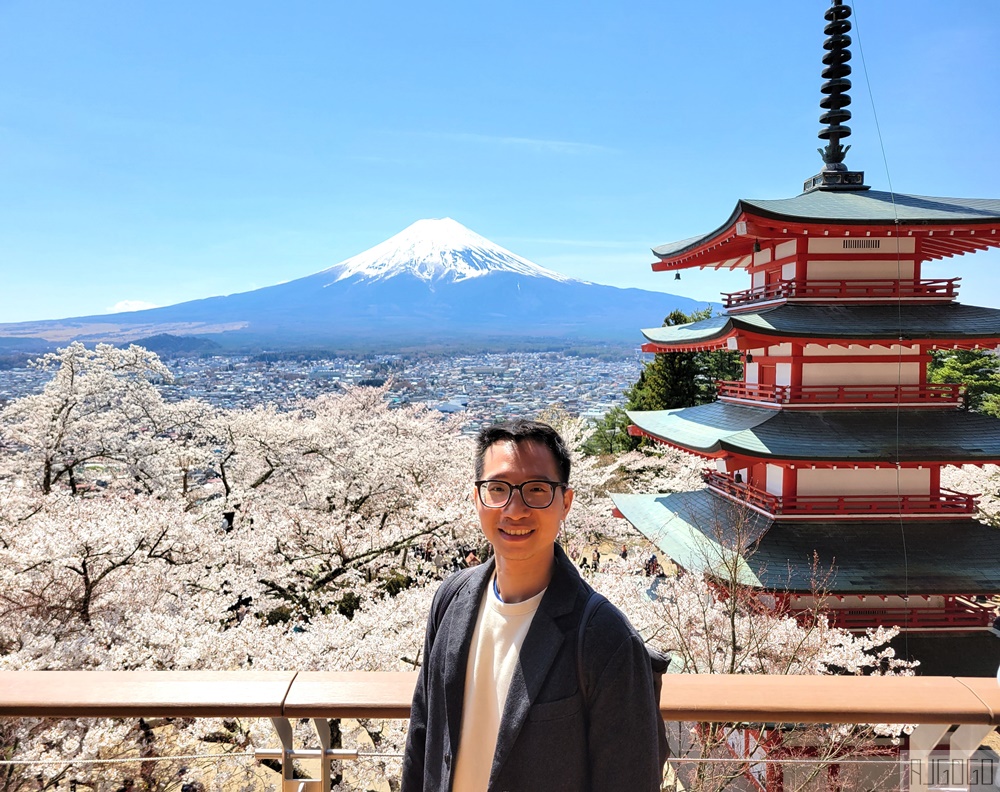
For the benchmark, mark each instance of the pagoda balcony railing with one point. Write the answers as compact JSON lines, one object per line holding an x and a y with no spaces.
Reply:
{"x":959,"y":613}
{"x":882,"y":290}
{"x":951,"y":716}
{"x":931,"y":395}
{"x":947,"y":503}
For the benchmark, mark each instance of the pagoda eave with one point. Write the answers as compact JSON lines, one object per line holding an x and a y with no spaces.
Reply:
{"x":703,"y":532}
{"x":746,"y":341}
{"x":949,"y":326}
{"x":845,"y":437}
{"x":944,"y":227}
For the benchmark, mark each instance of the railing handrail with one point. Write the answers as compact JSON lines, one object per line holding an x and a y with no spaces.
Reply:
{"x":849,"y":288}
{"x":945,"y":501}
{"x":938,"y":393}
{"x":377,"y":694}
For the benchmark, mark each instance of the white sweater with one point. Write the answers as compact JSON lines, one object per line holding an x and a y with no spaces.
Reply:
{"x":496,"y":644}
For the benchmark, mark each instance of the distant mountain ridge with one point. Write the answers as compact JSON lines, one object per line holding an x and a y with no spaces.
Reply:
{"x":436,"y":282}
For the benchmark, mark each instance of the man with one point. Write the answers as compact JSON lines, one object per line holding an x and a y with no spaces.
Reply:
{"x":498,"y":704}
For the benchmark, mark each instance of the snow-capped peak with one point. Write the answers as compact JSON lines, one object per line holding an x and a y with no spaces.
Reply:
{"x":436,"y":249}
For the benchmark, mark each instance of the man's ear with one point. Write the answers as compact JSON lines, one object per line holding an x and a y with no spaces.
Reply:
{"x":567,"y":500}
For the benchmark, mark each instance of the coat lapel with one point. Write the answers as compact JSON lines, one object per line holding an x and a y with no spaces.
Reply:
{"x":541,"y":645}
{"x":461,"y":620}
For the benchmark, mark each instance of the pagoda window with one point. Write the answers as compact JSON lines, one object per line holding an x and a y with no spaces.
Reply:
{"x":893,"y":245}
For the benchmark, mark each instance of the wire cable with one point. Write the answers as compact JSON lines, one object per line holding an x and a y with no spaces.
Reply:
{"x":182,"y":757}
{"x":899,"y":324}
{"x":120,"y":760}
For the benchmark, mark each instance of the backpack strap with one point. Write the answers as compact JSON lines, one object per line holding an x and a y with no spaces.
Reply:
{"x":594,"y":601}
{"x":658,"y":664}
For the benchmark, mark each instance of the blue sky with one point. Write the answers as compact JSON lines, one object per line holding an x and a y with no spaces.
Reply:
{"x":172,"y":151}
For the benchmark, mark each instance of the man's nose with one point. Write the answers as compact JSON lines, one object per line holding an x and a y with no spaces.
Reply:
{"x":516,"y":503}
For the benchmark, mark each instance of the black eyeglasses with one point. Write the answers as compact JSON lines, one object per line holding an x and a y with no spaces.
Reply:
{"x":538,"y":494}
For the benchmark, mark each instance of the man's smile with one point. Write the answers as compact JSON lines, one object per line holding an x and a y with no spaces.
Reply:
{"x":516,"y":531}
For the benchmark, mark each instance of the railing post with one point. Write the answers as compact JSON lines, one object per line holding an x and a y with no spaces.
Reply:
{"x":322,"y":728}
{"x":285,"y":735}
{"x":324,"y":754}
{"x":965,"y":741}
{"x":924,"y":739}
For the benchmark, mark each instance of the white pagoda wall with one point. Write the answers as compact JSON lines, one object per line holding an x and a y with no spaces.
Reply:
{"x":775,"y":480}
{"x":857,"y":270}
{"x":784,"y":250}
{"x":862,"y":268}
{"x":760,"y":258}
{"x":864,"y":481}
{"x":859,"y":373}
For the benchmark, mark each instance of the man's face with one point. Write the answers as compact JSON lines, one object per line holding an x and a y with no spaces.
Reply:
{"x":519,"y":533}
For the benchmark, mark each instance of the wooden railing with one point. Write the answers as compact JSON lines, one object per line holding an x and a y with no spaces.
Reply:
{"x":887,"y":290}
{"x":931,"y":395}
{"x":935,"y":704}
{"x":946,"y":504}
{"x":290,"y":694}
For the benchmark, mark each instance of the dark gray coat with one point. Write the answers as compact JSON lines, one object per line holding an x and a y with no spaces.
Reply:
{"x":545,"y":742}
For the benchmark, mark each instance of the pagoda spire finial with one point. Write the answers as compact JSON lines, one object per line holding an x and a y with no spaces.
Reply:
{"x":835,"y":175}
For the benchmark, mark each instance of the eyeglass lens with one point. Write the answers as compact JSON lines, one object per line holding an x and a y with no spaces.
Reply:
{"x":536,"y":494}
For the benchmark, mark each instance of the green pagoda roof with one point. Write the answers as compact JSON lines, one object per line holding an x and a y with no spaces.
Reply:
{"x":796,"y":320}
{"x":855,"y":436}
{"x":873,"y":206}
{"x":700,"y":531}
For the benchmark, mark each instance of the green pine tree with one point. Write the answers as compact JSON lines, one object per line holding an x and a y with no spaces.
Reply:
{"x":671,"y":380}
{"x":977,"y":369}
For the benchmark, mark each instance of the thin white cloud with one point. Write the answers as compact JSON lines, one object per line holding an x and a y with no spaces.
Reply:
{"x":570,"y":147}
{"x":124,"y":306}
{"x":611,"y":244}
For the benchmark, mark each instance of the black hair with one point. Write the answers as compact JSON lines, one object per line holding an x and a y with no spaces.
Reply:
{"x":520,"y":431}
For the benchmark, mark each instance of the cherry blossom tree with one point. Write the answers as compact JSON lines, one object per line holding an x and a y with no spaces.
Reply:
{"x":257,"y":539}
{"x":136,"y":534}
{"x":100,"y":408}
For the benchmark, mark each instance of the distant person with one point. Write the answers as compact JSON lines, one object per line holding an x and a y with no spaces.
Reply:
{"x":624,"y":553}
{"x":498,"y":703}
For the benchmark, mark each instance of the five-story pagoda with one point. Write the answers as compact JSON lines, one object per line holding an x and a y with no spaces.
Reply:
{"x":828,"y":454}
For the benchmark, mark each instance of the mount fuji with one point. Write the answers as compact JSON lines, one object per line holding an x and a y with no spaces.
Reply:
{"x":435,"y":282}
{"x":434,"y":250}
